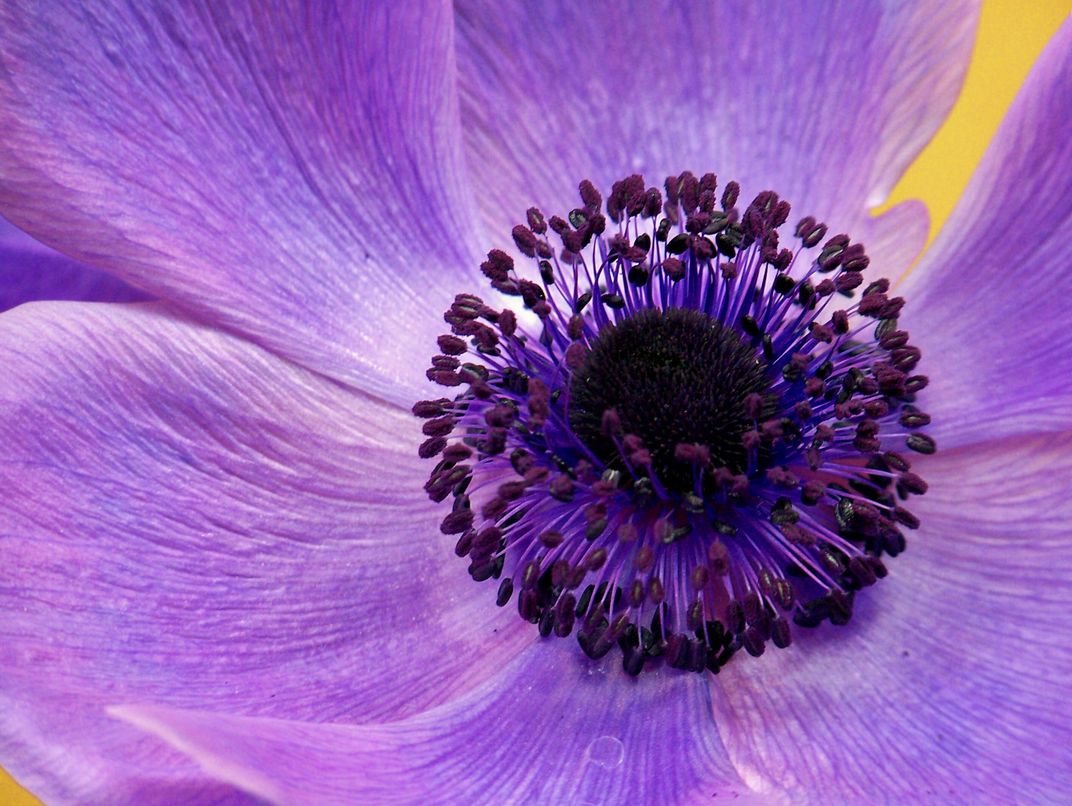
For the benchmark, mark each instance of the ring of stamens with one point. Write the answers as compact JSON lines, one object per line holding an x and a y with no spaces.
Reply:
{"x":684,"y":441}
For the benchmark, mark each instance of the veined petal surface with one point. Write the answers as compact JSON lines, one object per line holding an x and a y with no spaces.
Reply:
{"x":824,"y":102}
{"x":950,"y":684}
{"x":292,"y":176}
{"x":189,"y":519}
{"x":991,"y":301}
{"x":552,"y":728}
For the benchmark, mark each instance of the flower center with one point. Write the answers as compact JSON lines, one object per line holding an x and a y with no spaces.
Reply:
{"x":674,"y":377}
{"x":692,"y":436}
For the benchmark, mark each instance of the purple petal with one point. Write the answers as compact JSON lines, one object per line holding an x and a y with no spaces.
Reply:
{"x":31,"y":271}
{"x":990,"y":301}
{"x":112,"y":764}
{"x":895,"y":238}
{"x":191,"y":520}
{"x":550,"y":729}
{"x":951,"y":683}
{"x":292,"y":177}
{"x":825,"y":103}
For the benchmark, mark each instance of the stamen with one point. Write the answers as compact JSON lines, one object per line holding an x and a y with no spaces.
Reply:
{"x":694,"y":436}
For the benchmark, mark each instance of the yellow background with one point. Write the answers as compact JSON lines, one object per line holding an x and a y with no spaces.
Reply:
{"x":1011,"y":35}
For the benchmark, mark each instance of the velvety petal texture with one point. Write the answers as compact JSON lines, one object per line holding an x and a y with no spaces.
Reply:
{"x":189,"y":519}
{"x":991,"y":301}
{"x":552,"y":728}
{"x":824,"y":102}
{"x":293,"y":176}
{"x":30,"y":271}
{"x":951,"y":684}
{"x":221,"y":581}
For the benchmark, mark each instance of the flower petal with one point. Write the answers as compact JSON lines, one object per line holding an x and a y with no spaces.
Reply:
{"x":895,"y":238}
{"x":112,"y":763}
{"x":189,"y":519}
{"x":31,"y":271}
{"x":824,"y":102}
{"x":951,"y":683}
{"x":293,"y":177}
{"x":991,"y":301}
{"x":551,"y":729}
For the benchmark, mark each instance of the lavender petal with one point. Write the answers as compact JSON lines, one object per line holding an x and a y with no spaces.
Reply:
{"x":824,"y":102}
{"x":293,"y":177}
{"x":189,"y":519}
{"x":989,"y":302}
{"x":550,"y":729}
{"x":951,"y":682}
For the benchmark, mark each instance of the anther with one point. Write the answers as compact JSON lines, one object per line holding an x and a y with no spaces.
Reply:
{"x":709,"y":409}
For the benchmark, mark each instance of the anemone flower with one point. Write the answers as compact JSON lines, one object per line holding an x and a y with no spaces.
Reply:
{"x":680,"y":430}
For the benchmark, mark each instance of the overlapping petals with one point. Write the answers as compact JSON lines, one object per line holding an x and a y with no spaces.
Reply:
{"x":292,"y":176}
{"x":952,"y":683}
{"x":189,"y":519}
{"x":825,"y":102}
{"x":990,"y":300}
{"x":31,"y":271}
{"x":950,"y":687}
{"x":549,"y":729}
{"x":206,"y":543}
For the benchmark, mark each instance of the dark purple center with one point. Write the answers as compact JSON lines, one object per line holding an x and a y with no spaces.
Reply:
{"x":673,"y":377}
{"x":699,"y":437}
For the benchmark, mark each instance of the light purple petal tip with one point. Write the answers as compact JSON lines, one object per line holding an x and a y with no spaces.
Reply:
{"x":991,"y":301}
{"x":65,"y":749}
{"x":824,"y":102}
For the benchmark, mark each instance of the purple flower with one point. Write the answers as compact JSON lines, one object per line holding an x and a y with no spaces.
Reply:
{"x":221,"y":575}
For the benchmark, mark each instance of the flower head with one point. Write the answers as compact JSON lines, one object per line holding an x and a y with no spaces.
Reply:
{"x":694,"y":438}
{"x":221,"y":576}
